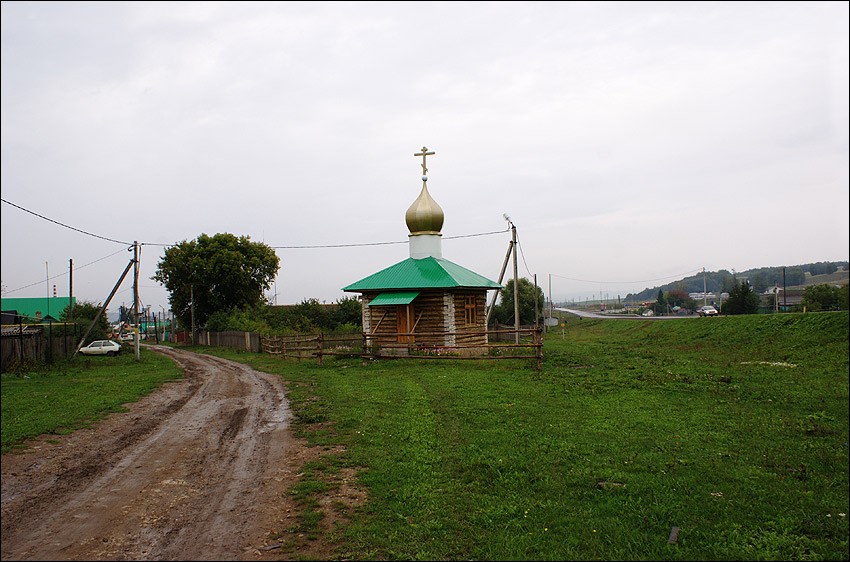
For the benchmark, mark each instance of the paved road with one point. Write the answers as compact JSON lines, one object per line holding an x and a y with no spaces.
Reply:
{"x":588,"y":314}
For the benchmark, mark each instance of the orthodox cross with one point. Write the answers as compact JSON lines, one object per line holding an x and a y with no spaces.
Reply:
{"x":424,"y":154}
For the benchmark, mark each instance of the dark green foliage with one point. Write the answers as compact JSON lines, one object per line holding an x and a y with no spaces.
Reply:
{"x":349,"y":312}
{"x":660,"y":303}
{"x":311,"y":312}
{"x":742,"y":300}
{"x":823,"y":267}
{"x":250,"y":319}
{"x":825,"y":297}
{"x":82,"y":314}
{"x":309,"y":316}
{"x":680,"y":298}
{"x":222,"y":272}
{"x":504,"y":311}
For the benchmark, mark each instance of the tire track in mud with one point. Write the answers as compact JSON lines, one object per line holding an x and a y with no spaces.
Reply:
{"x":195,"y":471}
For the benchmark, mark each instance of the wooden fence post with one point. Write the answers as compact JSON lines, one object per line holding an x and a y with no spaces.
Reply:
{"x":538,"y":349}
{"x":319,"y":348}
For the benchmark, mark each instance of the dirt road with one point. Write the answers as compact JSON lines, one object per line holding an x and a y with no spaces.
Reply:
{"x":198,"y":470}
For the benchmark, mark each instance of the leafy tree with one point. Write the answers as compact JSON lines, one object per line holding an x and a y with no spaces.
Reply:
{"x":222,"y":271}
{"x":793,"y":276}
{"x":83,"y":313}
{"x":742,"y":300}
{"x":728,"y":283}
{"x":681,"y":298}
{"x":761,"y":281}
{"x":504,"y":311}
{"x":822,"y":268}
{"x":251,"y":319}
{"x":660,"y":303}
{"x":817,"y":298}
{"x":311,"y":315}
{"x":349,"y":312}
{"x":306,"y":317}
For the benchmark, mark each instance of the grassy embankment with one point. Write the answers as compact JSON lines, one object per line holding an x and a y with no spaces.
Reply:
{"x":733,"y":430}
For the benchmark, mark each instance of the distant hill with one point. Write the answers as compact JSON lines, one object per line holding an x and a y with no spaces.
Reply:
{"x":793,"y":276}
{"x":841,"y":277}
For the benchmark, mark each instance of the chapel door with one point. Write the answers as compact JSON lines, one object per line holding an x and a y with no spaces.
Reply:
{"x":404,"y":323}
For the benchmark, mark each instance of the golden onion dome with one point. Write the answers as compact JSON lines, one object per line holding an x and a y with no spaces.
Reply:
{"x":424,"y":216}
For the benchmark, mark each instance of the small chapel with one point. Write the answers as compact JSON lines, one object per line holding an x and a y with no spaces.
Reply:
{"x":425,"y":301}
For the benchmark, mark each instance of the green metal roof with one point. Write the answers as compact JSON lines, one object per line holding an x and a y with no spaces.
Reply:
{"x":425,"y":273}
{"x":29,"y":306}
{"x":398,"y":297}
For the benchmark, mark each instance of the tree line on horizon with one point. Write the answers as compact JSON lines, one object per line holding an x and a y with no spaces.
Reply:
{"x":759,"y":279}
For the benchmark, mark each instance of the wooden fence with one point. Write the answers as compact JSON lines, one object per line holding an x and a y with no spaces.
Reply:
{"x":525,"y":343}
{"x":502,"y":344}
{"x":313,"y":346}
{"x":26,"y":343}
{"x":245,"y":341}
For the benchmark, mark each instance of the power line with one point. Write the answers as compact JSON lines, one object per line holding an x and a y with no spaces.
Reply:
{"x":382,"y":243}
{"x":273,"y":247}
{"x":65,"y":225}
{"x":317,"y":246}
{"x":523,"y":257}
{"x":64,"y":273}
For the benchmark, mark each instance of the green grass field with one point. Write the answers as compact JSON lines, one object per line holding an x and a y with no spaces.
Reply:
{"x":734,"y":430}
{"x":67,"y":395}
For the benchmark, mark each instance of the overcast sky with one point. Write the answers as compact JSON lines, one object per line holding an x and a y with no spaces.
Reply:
{"x":631,"y":144}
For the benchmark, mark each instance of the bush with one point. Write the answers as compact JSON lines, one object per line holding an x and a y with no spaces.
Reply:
{"x":742,"y":300}
{"x":817,"y":298}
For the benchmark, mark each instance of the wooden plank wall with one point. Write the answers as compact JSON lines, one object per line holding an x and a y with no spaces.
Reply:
{"x":436,"y":313}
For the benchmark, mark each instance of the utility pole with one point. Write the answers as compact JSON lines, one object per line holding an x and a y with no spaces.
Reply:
{"x":704,"y":293}
{"x":536,"y":316}
{"x":192,"y":312}
{"x":71,"y":288}
{"x":47,"y":282}
{"x":136,"y":298}
{"x":516,"y":285}
{"x":495,"y":293}
{"x":103,"y":306}
{"x":784,"y":293}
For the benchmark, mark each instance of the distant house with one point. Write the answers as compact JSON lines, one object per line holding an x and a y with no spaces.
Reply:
{"x":779,"y":298}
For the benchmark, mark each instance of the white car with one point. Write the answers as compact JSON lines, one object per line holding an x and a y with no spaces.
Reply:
{"x":101,"y":347}
{"x":707,"y":310}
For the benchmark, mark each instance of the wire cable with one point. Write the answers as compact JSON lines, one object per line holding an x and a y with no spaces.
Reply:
{"x":63,"y":274}
{"x":523,"y":256}
{"x":382,"y":243}
{"x":316,"y":246}
{"x":273,"y":247}
{"x":65,"y":225}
